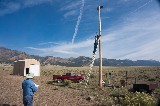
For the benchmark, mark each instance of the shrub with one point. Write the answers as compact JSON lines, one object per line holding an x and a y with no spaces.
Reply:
{"x":151,"y":79}
{"x":83,"y":72}
{"x":50,"y":82}
{"x":67,"y":82}
{"x":92,"y":76}
{"x":137,"y":99}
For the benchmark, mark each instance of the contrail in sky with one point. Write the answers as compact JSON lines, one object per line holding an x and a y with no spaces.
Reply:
{"x":78,"y":21}
{"x":142,"y":6}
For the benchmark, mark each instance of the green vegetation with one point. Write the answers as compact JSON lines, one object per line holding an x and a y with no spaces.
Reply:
{"x":67,"y":83}
{"x":137,"y":99}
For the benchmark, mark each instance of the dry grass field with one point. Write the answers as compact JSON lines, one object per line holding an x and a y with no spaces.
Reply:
{"x":75,"y":94}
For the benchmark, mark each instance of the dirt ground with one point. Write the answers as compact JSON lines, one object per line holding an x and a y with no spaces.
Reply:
{"x":53,"y":94}
{"x":47,"y":95}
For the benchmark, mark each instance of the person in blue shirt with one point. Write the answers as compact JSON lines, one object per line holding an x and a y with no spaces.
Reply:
{"x":29,"y":88}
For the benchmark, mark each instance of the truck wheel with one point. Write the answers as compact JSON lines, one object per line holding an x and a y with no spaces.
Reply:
{"x":80,"y":80}
{"x":59,"y":80}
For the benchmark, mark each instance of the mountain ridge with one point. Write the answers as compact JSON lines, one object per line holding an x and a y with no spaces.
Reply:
{"x":9,"y":56}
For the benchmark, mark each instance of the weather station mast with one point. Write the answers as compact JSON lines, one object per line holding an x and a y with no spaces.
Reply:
{"x":100,"y":47}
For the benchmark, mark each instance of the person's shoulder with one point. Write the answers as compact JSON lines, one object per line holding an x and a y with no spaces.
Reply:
{"x":26,"y":80}
{"x":23,"y":80}
{"x":29,"y":80}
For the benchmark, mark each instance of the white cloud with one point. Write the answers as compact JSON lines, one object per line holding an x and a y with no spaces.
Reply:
{"x":70,"y":13}
{"x":28,"y":3}
{"x":136,"y":37}
{"x":147,"y":51}
{"x":37,"y":49}
{"x":70,"y":6}
{"x":83,"y":48}
{"x":142,"y":6}
{"x":108,"y":9}
{"x":13,"y":6}
{"x":46,"y":43}
{"x":66,"y":52}
{"x":9,"y":8}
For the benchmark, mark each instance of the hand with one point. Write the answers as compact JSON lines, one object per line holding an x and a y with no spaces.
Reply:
{"x":36,"y":85}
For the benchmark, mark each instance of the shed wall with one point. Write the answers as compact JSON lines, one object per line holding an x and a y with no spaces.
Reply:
{"x":19,"y":68}
{"x":21,"y":65}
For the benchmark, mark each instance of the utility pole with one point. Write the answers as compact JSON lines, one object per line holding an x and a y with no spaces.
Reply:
{"x":100,"y":48}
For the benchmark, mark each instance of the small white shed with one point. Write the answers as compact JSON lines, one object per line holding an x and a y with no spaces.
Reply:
{"x":23,"y":67}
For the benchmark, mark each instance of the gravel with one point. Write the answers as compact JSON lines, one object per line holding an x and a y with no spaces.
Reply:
{"x":47,"y":95}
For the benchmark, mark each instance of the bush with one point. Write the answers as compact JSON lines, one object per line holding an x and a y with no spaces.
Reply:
{"x":151,"y":79}
{"x":67,"y":82}
{"x":92,"y":76}
{"x":50,"y":82}
{"x":137,"y":99}
{"x":83,"y":72}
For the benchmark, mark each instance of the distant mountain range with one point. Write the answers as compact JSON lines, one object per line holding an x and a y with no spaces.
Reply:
{"x":9,"y":56}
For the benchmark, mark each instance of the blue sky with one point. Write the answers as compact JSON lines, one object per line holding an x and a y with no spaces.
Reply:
{"x":66,"y":28}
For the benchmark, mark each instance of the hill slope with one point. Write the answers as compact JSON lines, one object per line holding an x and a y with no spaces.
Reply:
{"x":9,"y":56}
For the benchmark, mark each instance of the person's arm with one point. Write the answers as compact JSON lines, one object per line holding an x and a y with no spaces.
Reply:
{"x":33,"y":87}
{"x":36,"y":85}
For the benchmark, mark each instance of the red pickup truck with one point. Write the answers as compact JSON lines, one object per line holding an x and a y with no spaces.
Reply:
{"x":68,"y":76}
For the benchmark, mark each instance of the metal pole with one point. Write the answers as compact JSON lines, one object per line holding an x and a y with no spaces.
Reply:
{"x":126,"y":77}
{"x":100,"y":48}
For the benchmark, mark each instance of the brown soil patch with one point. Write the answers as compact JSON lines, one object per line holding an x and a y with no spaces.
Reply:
{"x":47,"y":95}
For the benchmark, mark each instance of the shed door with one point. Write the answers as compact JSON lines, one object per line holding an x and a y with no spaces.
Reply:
{"x":27,"y":70}
{"x":35,"y":69}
